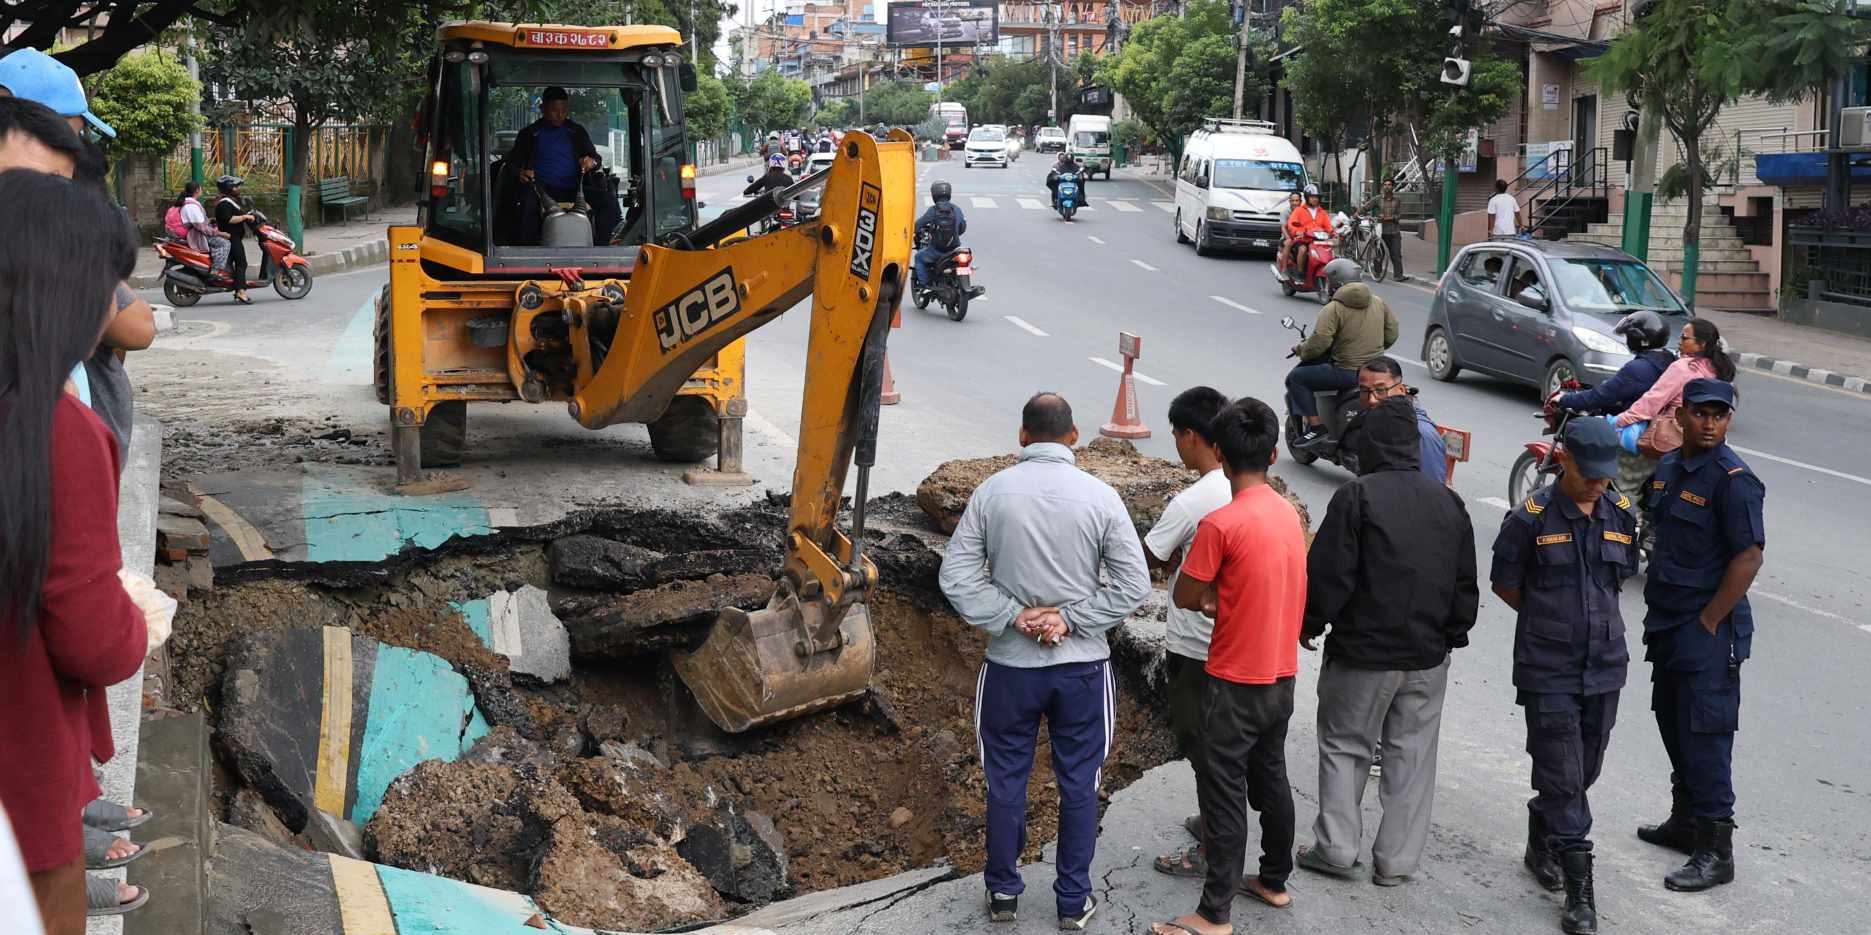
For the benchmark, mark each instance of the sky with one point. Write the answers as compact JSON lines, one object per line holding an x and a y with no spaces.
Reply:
{"x":761,"y":10}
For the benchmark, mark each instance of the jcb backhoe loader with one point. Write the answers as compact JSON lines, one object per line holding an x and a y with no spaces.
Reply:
{"x":641,"y":323}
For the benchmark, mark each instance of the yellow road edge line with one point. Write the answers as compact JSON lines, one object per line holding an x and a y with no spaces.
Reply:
{"x":246,"y":538}
{"x":330,"y":782}
{"x":363,"y":909}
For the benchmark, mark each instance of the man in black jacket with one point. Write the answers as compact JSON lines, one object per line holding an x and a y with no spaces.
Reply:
{"x":1392,"y":571}
{"x":556,"y":153}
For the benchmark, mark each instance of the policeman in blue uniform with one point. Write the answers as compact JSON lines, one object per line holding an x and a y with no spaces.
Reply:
{"x":1559,"y":561}
{"x":1706,"y":507}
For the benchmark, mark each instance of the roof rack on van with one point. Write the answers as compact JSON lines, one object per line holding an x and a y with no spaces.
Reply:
{"x":1230,"y":125}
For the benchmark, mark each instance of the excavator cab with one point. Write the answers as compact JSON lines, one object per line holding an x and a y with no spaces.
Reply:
{"x":559,"y":258}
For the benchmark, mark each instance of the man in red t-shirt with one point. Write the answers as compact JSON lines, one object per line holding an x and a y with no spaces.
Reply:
{"x":1247,"y":569}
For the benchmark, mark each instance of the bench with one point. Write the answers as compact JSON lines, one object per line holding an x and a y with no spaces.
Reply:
{"x":335,"y":192}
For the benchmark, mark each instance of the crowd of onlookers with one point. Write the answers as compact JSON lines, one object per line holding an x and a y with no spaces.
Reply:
{"x":76,"y":620}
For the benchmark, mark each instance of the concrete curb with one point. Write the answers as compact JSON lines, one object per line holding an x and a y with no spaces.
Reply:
{"x":1787,"y":368}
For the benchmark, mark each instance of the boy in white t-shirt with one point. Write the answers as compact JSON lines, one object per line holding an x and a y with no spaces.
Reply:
{"x":1503,"y":212}
{"x":1188,"y":633}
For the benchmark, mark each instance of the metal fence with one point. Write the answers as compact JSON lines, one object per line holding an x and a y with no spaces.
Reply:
{"x":259,"y":152}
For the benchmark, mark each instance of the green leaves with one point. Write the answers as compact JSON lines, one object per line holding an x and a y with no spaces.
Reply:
{"x":772,"y":101}
{"x":706,"y":110}
{"x":897,"y":103}
{"x":1175,"y":71}
{"x":147,"y":99}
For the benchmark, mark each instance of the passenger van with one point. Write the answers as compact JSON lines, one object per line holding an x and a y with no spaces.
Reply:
{"x":1233,"y":184}
{"x":1088,"y":139}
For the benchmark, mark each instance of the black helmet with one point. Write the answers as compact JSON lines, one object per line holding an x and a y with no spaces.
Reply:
{"x":941,"y":191}
{"x":1643,"y":330}
{"x":1341,"y":271}
{"x":227,"y":183}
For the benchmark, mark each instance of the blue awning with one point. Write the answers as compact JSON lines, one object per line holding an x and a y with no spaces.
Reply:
{"x":1804,"y":168}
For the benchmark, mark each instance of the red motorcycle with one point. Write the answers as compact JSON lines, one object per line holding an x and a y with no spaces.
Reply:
{"x":1537,"y":467}
{"x":1318,"y":252}
{"x":187,"y":275}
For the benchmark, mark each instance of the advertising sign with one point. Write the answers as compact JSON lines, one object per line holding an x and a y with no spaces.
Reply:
{"x":944,"y":22}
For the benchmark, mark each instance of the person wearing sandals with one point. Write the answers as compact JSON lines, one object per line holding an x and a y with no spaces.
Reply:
{"x":72,"y":622}
{"x":1392,"y":572}
{"x":1190,"y":414}
{"x":1246,"y":569}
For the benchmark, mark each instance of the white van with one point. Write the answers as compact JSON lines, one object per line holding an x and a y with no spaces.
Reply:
{"x":1088,"y":139}
{"x":1233,"y":184}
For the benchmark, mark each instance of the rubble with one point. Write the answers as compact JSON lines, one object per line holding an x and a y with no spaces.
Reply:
{"x":740,"y":853}
{"x":675,"y":615}
{"x":522,"y":628}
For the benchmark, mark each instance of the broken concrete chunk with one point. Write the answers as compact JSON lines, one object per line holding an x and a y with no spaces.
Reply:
{"x":182,"y":532}
{"x":630,"y":754}
{"x":248,"y":810}
{"x":593,"y":562}
{"x":688,"y":566}
{"x":200,"y":573}
{"x":523,"y":628}
{"x":745,"y":862}
{"x":651,"y":889}
{"x":673,"y":615}
{"x":333,"y":835}
{"x":177,"y":507}
{"x":607,"y":722}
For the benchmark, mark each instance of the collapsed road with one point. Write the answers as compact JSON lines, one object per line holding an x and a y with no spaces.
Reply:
{"x":503,"y":711}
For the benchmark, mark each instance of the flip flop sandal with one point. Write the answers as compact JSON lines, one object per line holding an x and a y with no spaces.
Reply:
{"x":100,"y":897}
{"x":1193,"y":825}
{"x":1178,"y":926}
{"x":97,"y":846}
{"x":1249,"y":889}
{"x":1310,"y":859}
{"x":1188,"y":862}
{"x":105,"y":815}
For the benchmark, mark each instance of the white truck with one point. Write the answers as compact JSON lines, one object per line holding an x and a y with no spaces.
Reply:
{"x":956,"y":117}
{"x":1088,"y":139}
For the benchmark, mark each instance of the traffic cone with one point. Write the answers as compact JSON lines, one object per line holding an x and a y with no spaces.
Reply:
{"x":1125,"y":421}
{"x":890,"y":396}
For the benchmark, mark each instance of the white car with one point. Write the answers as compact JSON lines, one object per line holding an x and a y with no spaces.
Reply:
{"x":986,"y":147}
{"x":1049,"y":140}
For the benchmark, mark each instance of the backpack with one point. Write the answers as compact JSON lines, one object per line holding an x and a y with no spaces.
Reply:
{"x":944,"y":227}
{"x":172,"y":221}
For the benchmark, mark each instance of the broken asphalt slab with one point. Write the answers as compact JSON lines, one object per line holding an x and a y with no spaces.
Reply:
{"x":325,"y":719}
{"x":521,"y":626}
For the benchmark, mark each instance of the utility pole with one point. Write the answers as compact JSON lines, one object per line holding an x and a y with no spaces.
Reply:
{"x":695,"y":31}
{"x":1465,"y":27}
{"x":1240,"y":56}
{"x":194,"y":107}
{"x":1642,"y":186}
{"x":1052,"y":60}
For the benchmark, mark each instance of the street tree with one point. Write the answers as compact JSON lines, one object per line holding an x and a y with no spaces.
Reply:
{"x":897,"y":104}
{"x":772,"y":101}
{"x":147,"y":99}
{"x":839,"y":113}
{"x":1685,"y":60}
{"x":707,"y":109}
{"x":699,"y":18}
{"x":1177,"y":70}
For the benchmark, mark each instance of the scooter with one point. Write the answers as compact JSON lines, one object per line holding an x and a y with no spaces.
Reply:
{"x":1538,"y":467}
{"x":1311,"y":277}
{"x":1066,"y":199}
{"x":187,"y":273}
{"x":951,"y":283}
{"x":1337,"y":410}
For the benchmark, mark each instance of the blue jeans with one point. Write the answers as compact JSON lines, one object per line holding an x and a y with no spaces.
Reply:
{"x":1079,"y":704}
{"x":926,"y":258}
{"x":1302,"y":380}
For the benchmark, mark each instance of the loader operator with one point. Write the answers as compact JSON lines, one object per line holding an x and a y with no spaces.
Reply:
{"x":555,"y":154}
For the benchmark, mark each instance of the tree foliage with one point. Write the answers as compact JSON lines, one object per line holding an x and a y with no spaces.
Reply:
{"x":706,"y":110}
{"x":147,"y":98}
{"x":705,"y":27}
{"x":897,"y":104}
{"x":771,"y":101}
{"x":1177,"y":70}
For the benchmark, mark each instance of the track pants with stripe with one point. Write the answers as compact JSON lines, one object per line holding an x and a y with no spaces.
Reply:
{"x":1079,"y":706}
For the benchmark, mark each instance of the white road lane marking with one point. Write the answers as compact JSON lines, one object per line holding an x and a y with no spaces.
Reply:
{"x":1796,"y":605}
{"x":1495,"y":502}
{"x":1841,"y":475}
{"x":982,"y":202}
{"x":1025,"y":326}
{"x":1108,"y":365}
{"x":1235,"y":305}
{"x":1125,"y":207}
{"x":1144,"y":266}
{"x":1031,"y":204}
{"x":1094,"y":238}
{"x":1169,"y":207}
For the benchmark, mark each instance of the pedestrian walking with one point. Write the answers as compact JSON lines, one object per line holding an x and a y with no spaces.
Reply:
{"x":1392,"y":574}
{"x":1024,"y":566}
{"x":1246,"y":568}
{"x":1191,"y":417}
{"x":74,"y":627}
{"x":1559,"y":561}
{"x":1390,"y":215}
{"x":1706,"y":507}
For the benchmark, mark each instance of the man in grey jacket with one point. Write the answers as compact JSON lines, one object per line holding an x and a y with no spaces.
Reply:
{"x":1024,"y":565}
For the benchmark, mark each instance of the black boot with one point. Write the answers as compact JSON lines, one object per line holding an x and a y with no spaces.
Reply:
{"x":1678,"y":832}
{"x":1540,"y":859}
{"x":1581,"y":915}
{"x":1712,"y":863}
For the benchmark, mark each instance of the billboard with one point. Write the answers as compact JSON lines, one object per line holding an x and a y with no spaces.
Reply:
{"x":944,"y":22}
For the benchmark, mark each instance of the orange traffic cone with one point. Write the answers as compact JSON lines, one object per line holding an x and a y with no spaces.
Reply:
{"x":1125,"y":421}
{"x":890,"y":396}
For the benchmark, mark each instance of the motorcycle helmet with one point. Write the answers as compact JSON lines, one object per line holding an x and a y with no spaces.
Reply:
{"x":1643,"y":330}
{"x":227,"y":183}
{"x":1341,"y":271}
{"x":1312,"y":191}
{"x":777,"y":160}
{"x":941,"y":191}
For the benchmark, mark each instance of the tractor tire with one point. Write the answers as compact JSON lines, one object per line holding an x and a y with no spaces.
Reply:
{"x":445,"y":434}
{"x":380,"y":348}
{"x":689,"y":432}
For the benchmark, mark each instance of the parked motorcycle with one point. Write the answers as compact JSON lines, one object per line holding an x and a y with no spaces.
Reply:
{"x":951,"y":283}
{"x":187,"y":273}
{"x":1066,"y":200}
{"x":1538,"y":466}
{"x":1311,"y":276}
{"x":1337,"y":409}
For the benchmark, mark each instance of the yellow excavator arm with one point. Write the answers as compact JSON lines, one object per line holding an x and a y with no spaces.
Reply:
{"x":812,"y":647}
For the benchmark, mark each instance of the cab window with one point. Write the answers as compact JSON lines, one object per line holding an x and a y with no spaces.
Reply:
{"x":457,"y":216}
{"x":1524,"y":285}
{"x":1482,"y":269}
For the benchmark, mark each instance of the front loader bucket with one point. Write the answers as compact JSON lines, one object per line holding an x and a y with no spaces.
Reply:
{"x":755,"y":668}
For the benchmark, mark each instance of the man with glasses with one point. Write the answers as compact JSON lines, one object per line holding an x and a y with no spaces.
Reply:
{"x":1381,"y":378}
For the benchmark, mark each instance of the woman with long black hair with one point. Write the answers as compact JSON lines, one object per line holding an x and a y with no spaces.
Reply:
{"x":68,"y":626}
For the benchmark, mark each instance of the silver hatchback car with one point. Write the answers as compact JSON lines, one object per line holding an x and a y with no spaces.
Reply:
{"x":1541,"y":312}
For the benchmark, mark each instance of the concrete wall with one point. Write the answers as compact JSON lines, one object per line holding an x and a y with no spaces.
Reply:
{"x":1833,"y":316}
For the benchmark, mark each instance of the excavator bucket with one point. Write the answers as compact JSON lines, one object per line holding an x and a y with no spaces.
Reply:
{"x":756,"y":668}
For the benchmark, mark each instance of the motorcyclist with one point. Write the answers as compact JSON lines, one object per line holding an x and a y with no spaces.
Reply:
{"x":1300,"y":225}
{"x":1356,"y":326}
{"x":775,"y":178}
{"x":1647,"y":335}
{"x":938,"y":231}
{"x":1066,"y":164}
